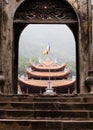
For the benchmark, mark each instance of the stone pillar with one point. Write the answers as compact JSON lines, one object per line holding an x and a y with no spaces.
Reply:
{"x":2,"y":78}
{"x":0,"y":32}
{"x":85,"y":41}
{"x":92,"y":33}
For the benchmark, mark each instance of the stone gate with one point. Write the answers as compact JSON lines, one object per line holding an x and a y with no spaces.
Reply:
{"x":17,"y":14}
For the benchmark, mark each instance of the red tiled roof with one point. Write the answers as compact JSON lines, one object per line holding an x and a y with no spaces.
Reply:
{"x":48,"y":74}
{"x":45,"y":67}
{"x":44,"y":83}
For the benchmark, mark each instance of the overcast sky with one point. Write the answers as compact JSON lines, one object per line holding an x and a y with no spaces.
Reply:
{"x":46,"y":33}
{"x":36,"y":37}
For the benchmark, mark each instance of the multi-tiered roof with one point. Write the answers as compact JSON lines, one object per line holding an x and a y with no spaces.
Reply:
{"x":39,"y":75}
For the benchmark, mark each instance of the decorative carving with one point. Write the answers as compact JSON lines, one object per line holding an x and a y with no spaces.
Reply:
{"x":45,"y":10}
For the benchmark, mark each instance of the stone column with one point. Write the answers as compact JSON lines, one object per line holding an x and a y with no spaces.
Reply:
{"x":0,"y":32}
{"x":85,"y":44}
{"x":2,"y":78}
{"x":92,"y":33}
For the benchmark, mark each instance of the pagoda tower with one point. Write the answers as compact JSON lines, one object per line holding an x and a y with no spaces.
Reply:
{"x":39,"y":76}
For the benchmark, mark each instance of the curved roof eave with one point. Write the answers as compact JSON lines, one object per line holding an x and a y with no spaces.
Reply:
{"x":44,"y":83}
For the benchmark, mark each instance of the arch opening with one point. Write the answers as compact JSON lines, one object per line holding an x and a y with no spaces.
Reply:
{"x":22,"y":22}
{"x":35,"y":38}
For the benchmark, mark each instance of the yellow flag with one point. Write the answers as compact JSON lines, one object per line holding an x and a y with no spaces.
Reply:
{"x":46,"y":51}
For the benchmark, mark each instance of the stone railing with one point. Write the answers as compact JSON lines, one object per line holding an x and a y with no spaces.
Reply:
{"x":2,"y":82}
{"x":89,"y":81}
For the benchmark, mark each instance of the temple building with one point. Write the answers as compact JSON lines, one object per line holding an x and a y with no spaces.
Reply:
{"x":44,"y":75}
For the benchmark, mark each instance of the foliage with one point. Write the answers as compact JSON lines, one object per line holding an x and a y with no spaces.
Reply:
{"x":34,"y":60}
{"x":25,"y":62}
{"x":72,"y":66}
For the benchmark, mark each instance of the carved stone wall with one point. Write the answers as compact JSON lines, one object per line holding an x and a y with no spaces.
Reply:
{"x":11,"y":17}
{"x":44,"y":11}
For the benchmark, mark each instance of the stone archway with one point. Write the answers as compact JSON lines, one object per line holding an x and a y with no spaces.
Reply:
{"x":16,"y":15}
{"x":44,"y":12}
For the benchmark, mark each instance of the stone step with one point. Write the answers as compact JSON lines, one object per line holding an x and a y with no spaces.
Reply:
{"x":47,"y":105}
{"x":39,"y":112}
{"x":42,"y":98}
{"x":49,"y":114}
{"x":16,"y":124}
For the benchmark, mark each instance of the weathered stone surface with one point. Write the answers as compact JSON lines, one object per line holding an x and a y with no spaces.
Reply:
{"x":89,"y":81}
{"x":28,"y":112}
{"x":0,"y":33}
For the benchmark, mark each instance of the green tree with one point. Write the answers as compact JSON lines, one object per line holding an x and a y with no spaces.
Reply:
{"x":25,"y":62}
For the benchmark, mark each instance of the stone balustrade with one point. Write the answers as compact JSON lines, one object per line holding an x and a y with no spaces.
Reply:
{"x":2,"y":82}
{"x":89,"y":81}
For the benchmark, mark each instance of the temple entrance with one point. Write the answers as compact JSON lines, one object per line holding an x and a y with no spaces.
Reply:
{"x":44,"y":12}
{"x":17,"y":14}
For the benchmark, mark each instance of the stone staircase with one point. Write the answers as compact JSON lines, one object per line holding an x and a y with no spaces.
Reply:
{"x":38,"y":112}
